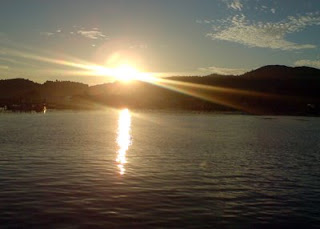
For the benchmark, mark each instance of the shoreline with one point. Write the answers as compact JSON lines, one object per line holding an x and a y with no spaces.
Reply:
{"x":168,"y":111}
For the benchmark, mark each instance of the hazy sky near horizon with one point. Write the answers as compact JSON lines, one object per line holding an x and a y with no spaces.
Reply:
{"x":47,"y":40}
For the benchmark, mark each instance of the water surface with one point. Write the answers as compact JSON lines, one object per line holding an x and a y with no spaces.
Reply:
{"x":120,"y":169}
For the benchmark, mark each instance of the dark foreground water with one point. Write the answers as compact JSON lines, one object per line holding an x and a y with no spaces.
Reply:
{"x":122,"y":169}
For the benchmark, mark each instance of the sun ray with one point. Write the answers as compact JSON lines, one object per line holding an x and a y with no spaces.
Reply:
{"x":126,"y":72}
{"x":216,"y":94}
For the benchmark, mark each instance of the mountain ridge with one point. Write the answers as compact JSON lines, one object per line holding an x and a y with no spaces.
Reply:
{"x":269,"y":89}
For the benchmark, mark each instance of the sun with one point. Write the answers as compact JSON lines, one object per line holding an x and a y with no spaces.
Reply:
{"x":126,"y":73}
{"x":123,"y":73}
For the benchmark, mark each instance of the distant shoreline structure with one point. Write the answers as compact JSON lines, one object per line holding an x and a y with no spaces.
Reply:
{"x":26,"y":107}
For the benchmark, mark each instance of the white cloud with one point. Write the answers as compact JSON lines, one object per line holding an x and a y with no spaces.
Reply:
{"x":138,"y":46}
{"x":47,"y":34}
{"x":92,"y":34}
{"x":234,"y":4}
{"x":223,"y":71}
{"x":310,"y":63}
{"x":204,"y":21}
{"x":263,"y":34}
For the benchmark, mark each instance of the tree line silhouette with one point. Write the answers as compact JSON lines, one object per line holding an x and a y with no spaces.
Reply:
{"x":271,"y":89}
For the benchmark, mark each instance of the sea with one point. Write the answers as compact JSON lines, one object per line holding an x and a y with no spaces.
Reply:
{"x":158,"y":169}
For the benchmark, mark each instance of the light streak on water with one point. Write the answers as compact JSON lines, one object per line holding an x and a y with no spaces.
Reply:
{"x":123,"y":139}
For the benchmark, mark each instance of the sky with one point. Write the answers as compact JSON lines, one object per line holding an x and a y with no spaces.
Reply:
{"x":56,"y":40}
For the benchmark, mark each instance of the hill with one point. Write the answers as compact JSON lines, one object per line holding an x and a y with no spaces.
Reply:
{"x":272,"y":89}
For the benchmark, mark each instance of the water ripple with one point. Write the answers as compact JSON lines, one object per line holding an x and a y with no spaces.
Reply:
{"x":61,"y":171}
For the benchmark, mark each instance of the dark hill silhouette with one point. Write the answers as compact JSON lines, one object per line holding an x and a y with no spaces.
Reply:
{"x":16,"y":87}
{"x":281,"y":72}
{"x":62,"y":88}
{"x":272,"y":89}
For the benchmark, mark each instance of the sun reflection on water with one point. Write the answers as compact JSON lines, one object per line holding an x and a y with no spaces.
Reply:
{"x":123,"y":139}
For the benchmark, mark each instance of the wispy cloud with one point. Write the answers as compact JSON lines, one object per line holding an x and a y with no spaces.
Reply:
{"x":15,"y":62}
{"x":204,"y":21}
{"x":92,"y":34}
{"x":8,"y":60}
{"x":310,"y":63}
{"x":223,"y":71}
{"x":138,"y":46}
{"x":240,"y":30}
{"x":234,"y":4}
{"x":47,"y":34}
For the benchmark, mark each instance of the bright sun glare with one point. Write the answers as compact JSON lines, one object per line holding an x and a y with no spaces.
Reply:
{"x":124,"y":73}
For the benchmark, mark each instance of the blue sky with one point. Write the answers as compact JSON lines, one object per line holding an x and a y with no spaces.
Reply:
{"x":168,"y":37}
